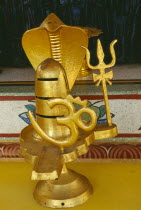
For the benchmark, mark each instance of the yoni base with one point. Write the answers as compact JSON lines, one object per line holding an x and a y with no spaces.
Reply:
{"x":71,"y":189}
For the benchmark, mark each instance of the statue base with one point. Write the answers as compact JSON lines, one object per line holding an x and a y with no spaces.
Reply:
{"x":71,"y":189}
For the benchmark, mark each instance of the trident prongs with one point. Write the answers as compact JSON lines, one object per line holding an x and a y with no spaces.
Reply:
{"x":103,"y":77}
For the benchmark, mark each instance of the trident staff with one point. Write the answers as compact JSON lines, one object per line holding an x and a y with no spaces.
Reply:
{"x":103,"y":77}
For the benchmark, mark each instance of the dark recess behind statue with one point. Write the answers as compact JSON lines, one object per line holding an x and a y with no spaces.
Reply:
{"x":118,"y":20}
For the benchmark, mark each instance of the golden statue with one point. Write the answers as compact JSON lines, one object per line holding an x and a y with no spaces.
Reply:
{"x":58,"y":134}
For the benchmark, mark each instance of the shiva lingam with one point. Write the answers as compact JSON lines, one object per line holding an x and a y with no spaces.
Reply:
{"x":58,"y":134}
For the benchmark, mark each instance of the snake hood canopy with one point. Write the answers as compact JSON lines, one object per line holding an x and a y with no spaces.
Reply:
{"x":55,"y":40}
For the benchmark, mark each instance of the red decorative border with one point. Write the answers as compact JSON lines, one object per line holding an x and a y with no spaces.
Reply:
{"x":99,"y":97}
{"x":16,"y":98}
{"x":111,"y":151}
{"x":9,"y":135}
{"x":88,"y":97}
{"x":100,"y":151}
{"x":8,"y":150}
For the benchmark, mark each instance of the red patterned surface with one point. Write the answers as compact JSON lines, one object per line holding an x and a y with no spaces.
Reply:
{"x":9,"y":150}
{"x":101,"y":151}
{"x":125,"y":151}
{"x":95,"y":152}
{"x":111,"y":151}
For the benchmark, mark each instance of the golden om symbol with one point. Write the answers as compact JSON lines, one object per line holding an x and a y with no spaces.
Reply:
{"x":73,"y":121}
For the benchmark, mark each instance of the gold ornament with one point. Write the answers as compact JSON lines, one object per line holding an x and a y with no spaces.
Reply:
{"x":58,"y":134}
{"x":103,"y":77}
{"x":54,"y":39}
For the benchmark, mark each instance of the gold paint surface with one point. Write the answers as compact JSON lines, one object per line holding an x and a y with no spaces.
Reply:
{"x":73,"y":121}
{"x":104,"y":131}
{"x":52,"y":22}
{"x":63,"y":45}
{"x":57,"y":121}
{"x":54,"y":39}
{"x":57,"y":193}
{"x":32,"y":149}
{"x":58,"y":134}
{"x":57,"y":137}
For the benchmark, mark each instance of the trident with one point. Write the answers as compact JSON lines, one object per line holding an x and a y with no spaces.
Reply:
{"x":103,"y":77}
